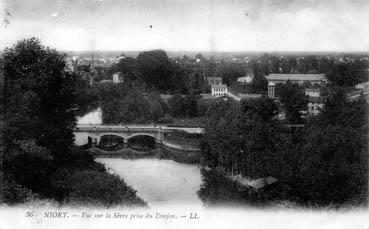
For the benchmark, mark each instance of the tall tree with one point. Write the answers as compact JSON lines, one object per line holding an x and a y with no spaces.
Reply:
{"x":293,"y":99}
{"x":38,"y":97}
{"x":154,"y":69}
{"x":265,"y":107}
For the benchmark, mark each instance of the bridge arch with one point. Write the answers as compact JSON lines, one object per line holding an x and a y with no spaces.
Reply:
{"x":124,"y":136}
{"x":111,"y":141}
{"x":143,"y":134}
{"x":142,"y":141}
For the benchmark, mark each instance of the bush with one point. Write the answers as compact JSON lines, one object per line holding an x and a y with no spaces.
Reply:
{"x":12,"y":193}
{"x":96,"y":188}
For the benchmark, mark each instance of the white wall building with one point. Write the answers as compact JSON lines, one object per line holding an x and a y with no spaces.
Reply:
{"x":312,"y":92}
{"x":271,"y":90}
{"x":316,"y":102}
{"x":245,"y":79}
{"x":219,"y":90}
{"x":117,"y":78}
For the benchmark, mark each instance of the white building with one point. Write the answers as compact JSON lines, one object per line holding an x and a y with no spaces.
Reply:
{"x":316,"y":102}
{"x":271,"y":90}
{"x":312,"y":92}
{"x":219,"y":90}
{"x":245,"y":79}
{"x":117,"y":78}
{"x":362,"y":86}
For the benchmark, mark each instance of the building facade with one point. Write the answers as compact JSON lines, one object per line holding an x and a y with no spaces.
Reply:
{"x":315,"y":101}
{"x":271,"y":90}
{"x":219,"y":90}
{"x":118,"y":78}
{"x":315,"y":104}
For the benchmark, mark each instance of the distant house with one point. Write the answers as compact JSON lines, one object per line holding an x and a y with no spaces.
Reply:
{"x":312,"y":92}
{"x":118,"y":78}
{"x":315,"y":101}
{"x":362,"y":86}
{"x":315,"y":104}
{"x":245,"y":79}
{"x":219,"y":90}
{"x":165,"y":97}
{"x":271,"y":90}
{"x":213,"y":80}
{"x":318,"y":79}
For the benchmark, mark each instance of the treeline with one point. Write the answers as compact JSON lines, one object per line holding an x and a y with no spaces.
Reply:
{"x":343,"y":70}
{"x":323,"y":163}
{"x":39,"y":158}
{"x":155,"y":70}
{"x":121,"y":104}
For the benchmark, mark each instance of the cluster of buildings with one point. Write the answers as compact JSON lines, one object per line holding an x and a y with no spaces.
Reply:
{"x":89,"y":67}
{"x":76,"y":63}
{"x":312,"y":83}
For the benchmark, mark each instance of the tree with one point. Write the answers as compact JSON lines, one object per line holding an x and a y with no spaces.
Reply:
{"x":293,"y":100}
{"x":265,"y":107}
{"x":338,"y":110}
{"x":229,"y":72}
{"x":259,"y":84}
{"x":133,"y":108}
{"x":157,"y":106}
{"x":38,"y":122}
{"x":128,"y":67}
{"x":154,"y":69}
{"x":183,"y":106}
{"x":332,"y":166}
{"x":348,"y":74}
{"x":38,"y":97}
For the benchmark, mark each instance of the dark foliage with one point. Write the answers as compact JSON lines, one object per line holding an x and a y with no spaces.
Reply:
{"x":322,"y":164}
{"x":293,"y":99}
{"x":38,"y":120}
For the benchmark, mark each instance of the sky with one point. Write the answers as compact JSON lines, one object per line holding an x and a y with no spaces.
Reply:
{"x":189,"y":25}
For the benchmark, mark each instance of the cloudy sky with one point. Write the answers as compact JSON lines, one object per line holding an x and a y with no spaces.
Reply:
{"x":189,"y":25}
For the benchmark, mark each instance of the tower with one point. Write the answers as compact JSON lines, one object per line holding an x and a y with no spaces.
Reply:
{"x":271,"y":90}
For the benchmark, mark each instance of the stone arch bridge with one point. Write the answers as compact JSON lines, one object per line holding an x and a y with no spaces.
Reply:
{"x":95,"y":132}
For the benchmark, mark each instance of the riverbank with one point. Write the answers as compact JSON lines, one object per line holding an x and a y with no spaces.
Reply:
{"x":161,"y":152}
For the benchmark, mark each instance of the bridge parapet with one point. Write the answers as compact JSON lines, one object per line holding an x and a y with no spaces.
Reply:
{"x":119,"y":128}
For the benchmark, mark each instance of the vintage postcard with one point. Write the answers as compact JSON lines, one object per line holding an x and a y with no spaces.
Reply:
{"x":184,"y":114}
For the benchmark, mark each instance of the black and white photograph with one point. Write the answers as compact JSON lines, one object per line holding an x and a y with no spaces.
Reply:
{"x":184,"y":114}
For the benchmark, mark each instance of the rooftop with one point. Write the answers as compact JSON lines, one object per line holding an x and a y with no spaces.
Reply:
{"x":316,"y":99}
{"x":219,"y":86}
{"x":294,"y":77}
{"x":312,"y":89}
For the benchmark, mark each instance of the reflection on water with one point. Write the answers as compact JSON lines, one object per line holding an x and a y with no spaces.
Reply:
{"x":159,"y":182}
{"x":93,"y":117}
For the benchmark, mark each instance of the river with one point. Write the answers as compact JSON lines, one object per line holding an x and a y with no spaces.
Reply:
{"x":157,"y":181}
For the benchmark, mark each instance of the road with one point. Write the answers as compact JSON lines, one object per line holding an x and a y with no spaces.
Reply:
{"x":235,"y":97}
{"x":92,"y":127}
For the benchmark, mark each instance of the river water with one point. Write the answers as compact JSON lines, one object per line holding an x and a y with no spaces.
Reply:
{"x":159,"y":182}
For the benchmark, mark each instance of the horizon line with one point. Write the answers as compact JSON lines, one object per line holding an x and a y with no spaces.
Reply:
{"x":219,"y":51}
